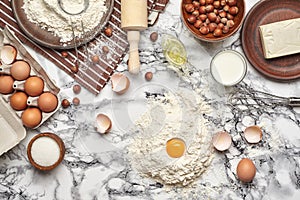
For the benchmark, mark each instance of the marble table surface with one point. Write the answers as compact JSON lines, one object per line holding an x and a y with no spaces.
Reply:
{"x":97,"y":167}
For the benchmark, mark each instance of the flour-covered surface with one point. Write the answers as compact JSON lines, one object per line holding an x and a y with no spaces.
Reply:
{"x":169,"y":116}
{"x":48,"y":14}
{"x":97,"y":166}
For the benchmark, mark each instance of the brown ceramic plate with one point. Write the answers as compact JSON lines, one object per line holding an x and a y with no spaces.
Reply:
{"x":46,"y":38}
{"x":264,"y":12}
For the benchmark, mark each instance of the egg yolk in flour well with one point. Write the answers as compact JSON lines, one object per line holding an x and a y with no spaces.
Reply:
{"x":175,"y":147}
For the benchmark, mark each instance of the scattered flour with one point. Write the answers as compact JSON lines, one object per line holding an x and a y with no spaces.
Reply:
{"x":173,"y":116}
{"x":49,"y":16}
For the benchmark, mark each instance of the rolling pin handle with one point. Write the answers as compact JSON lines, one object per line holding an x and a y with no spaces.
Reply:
{"x":134,"y":59}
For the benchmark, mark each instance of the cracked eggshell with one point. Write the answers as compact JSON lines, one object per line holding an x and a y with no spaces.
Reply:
{"x":103,"y":123}
{"x":221,"y":141}
{"x":8,"y":54}
{"x":120,"y":83}
{"x":253,"y":134}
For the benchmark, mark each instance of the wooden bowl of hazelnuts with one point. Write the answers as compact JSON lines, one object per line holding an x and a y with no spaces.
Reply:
{"x":213,"y":20}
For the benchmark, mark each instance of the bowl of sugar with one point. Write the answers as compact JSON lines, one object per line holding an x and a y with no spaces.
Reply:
{"x":228,"y":67}
{"x":45,"y":151}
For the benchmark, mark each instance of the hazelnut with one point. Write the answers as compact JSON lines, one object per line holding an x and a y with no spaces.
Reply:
{"x":229,"y":16}
{"x":225,"y":29}
{"x":148,"y":76}
{"x":217,"y":32}
{"x":207,"y":21}
{"x":222,"y":14}
{"x":198,"y":23}
{"x":75,"y":68}
{"x":76,"y":89}
{"x":64,"y":54}
{"x":212,"y":17}
{"x":65,"y":103}
{"x":191,"y":19}
{"x":189,"y":8}
{"x":105,"y":49}
{"x":202,"y":2}
{"x":226,"y":8}
{"x":153,"y":36}
{"x":202,"y":17}
{"x":108,"y":31}
{"x":202,"y":10}
{"x":218,"y":20}
{"x":223,"y":2}
{"x":196,"y":13}
{"x":224,"y":20}
{"x":216,"y":11}
{"x":196,"y":4}
{"x":233,"y":10}
{"x":212,"y":27}
{"x":232,"y":2}
{"x":220,"y":26}
{"x":230,"y":23}
{"x":209,"y":8}
{"x":204,"y":30}
{"x":76,"y":101}
{"x":217,"y":4}
{"x":209,"y":1}
{"x":95,"y":59}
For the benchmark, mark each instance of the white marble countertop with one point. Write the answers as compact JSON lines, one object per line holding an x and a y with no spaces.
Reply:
{"x":96,"y":166}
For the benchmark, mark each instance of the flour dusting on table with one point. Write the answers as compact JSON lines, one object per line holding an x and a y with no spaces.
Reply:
{"x":49,"y":16}
{"x":177,"y":115}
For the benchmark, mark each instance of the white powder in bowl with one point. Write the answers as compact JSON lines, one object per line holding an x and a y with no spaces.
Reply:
{"x":45,"y":151}
{"x":49,"y":16}
{"x":173,"y":116}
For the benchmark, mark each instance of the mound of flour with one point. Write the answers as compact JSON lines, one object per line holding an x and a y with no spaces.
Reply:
{"x":172,"y":116}
{"x":49,"y":16}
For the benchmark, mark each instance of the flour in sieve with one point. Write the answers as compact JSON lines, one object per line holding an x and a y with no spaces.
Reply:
{"x":173,"y":116}
{"x":48,"y":15}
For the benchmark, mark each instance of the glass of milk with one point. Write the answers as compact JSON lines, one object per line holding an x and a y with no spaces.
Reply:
{"x":228,"y":67}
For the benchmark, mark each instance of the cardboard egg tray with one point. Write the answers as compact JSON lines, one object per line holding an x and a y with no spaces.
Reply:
{"x":12,"y":130}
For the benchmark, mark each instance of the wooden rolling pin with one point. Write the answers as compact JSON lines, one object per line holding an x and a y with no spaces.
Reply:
{"x":134,"y":18}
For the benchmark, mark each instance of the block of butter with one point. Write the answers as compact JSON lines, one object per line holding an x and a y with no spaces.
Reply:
{"x":280,"y":38}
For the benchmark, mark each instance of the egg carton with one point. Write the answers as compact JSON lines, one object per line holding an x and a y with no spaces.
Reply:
{"x":12,"y":130}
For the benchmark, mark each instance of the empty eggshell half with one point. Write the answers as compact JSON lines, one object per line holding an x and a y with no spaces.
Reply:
{"x":103,"y":123}
{"x":221,"y":141}
{"x":8,"y":54}
{"x":253,"y":134}
{"x":120,"y":83}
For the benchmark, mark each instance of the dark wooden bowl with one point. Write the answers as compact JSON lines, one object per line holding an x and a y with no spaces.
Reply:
{"x":61,"y":147}
{"x":238,"y":19}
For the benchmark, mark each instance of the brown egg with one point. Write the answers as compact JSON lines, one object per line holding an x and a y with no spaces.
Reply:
{"x":246,"y":170}
{"x":6,"y":84}
{"x":34,"y":86}
{"x":20,"y":70}
{"x":47,"y":102}
{"x":18,"y":101}
{"x":31,"y":117}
